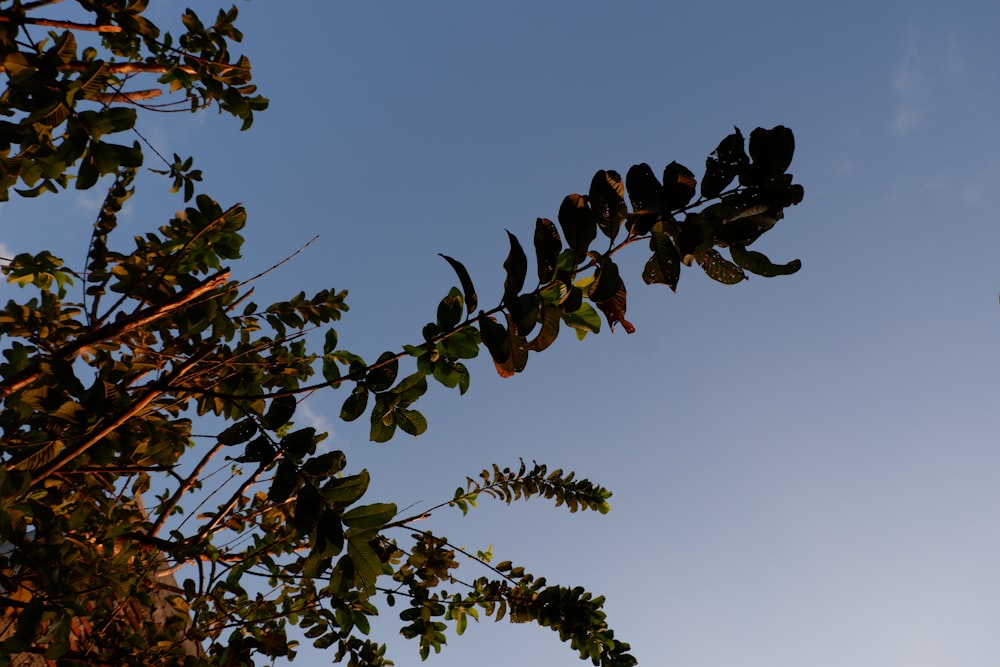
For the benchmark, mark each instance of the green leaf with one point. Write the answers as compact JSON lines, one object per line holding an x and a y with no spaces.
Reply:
{"x":547,"y":248}
{"x":326,"y":464}
{"x":369,"y":516}
{"x":607,"y":202}
{"x":471,"y":300}
{"x":367,"y":565}
{"x":758,"y":263}
{"x":584,"y":319}
{"x":679,"y":186}
{"x":578,"y":226}
{"x":720,"y":269}
{"x":411,"y":422}
{"x":355,"y":404}
{"x":726,"y":162}
{"x":664,"y":267}
{"x":346,"y":490}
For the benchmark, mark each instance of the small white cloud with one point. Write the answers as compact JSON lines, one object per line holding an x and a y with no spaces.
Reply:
{"x":928,"y":66}
{"x":305,"y":415}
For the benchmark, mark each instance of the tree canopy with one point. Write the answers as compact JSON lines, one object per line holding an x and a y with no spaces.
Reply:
{"x":111,"y":369}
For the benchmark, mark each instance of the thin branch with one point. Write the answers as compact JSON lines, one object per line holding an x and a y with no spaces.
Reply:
{"x":188,"y":484}
{"x":117,"y":329}
{"x":111,"y":98}
{"x":134,"y":409}
{"x":68,"y":25}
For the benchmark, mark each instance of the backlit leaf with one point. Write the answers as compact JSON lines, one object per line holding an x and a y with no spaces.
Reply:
{"x":720,"y":269}
{"x":471,"y":299}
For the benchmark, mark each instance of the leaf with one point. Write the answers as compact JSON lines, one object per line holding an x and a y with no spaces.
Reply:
{"x":369,"y":516}
{"x":644,"y":191}
{"x":679,"y":186}
{"x":693,"y":236}
{"x":285,"y":481}
{"x":720,"y":269}
{"x":578,"y":226}
{"x":547,"y":248}
{"x":346,"y":490}
{"x":410,"y":422}
{"x":607,"y":281}
{"x":524,"y":312}
{"x":382,"y":377}
{"x":326,"y":464}
{"x":584,"y":319}
{"x":367,"y":565}
{"x":40,"y":457}
{"x":771,"y":152}
{"x":300,"y":443}
{"x":664,"y":267}
{"x":239,"y":432}
{"x":516,"y":266}
{"x":471,"y":300}
{"x":355,"y":404}
{"x":518,"y":357}
{"x":550,"y":327}
{"x":614,"y":311}
{"x":726,"y":162}
{"x":279,"y":412}
{"x":494,"y":338}
{"x":449,"y":311}
{"x":758,"y":263}
{"x":607,"y":203}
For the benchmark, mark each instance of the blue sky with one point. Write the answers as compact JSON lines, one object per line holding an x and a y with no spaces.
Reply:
{"x":805,"y":468}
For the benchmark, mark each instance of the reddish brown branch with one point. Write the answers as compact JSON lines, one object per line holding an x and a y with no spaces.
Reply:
{"x":69,"y":25}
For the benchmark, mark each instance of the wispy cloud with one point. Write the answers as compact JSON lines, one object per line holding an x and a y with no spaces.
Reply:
{"x":306,"y":415}
{"x":5,"y":253}
{"x":928,"y":66}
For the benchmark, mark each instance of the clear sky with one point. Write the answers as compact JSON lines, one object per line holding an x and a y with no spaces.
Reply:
{"x":805,"y":468}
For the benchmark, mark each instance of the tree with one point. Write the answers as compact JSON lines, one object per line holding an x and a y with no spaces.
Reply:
{"x":100,"y":471}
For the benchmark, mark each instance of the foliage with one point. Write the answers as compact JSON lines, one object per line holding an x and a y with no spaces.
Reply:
{"x":100,"y":467}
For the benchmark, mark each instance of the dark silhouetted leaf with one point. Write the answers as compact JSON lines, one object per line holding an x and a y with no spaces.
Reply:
{"x":578,"y":226}
{"x":726,"y":162}
{"x":239,"y":432}
{"x":285,"y":481}
{"x":471,"y":299}
{"x":547,"y":247}
{"x":258,"y":450}
{"x":449,"y":311}
{"x":644,"y":191}
{"x":664,"y":267}
{"x":614,"y":311}
{"x":607,"y":203}
{"x":607,"y":280}
{"x":679,"y":186}
{"x":518,"y":357}
{"x":494,"y":337}
{"x":299,"y":444}
{"x":324,"y":465}
{"x":756,"y":262}
{"x":720,"y":269}
{"x":771,"y":152}
{"x":524,"y":311}
{"x":693,"y":237}
{"x":279,"y":412}
{"x":516,"y":266}
{"x":550,"y":315}
{"x":411,"y":422}
{"x":355,"y":404}
{"x":381,"y":378}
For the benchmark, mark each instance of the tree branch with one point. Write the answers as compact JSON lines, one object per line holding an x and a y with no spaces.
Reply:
{"x":69,"y":25}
